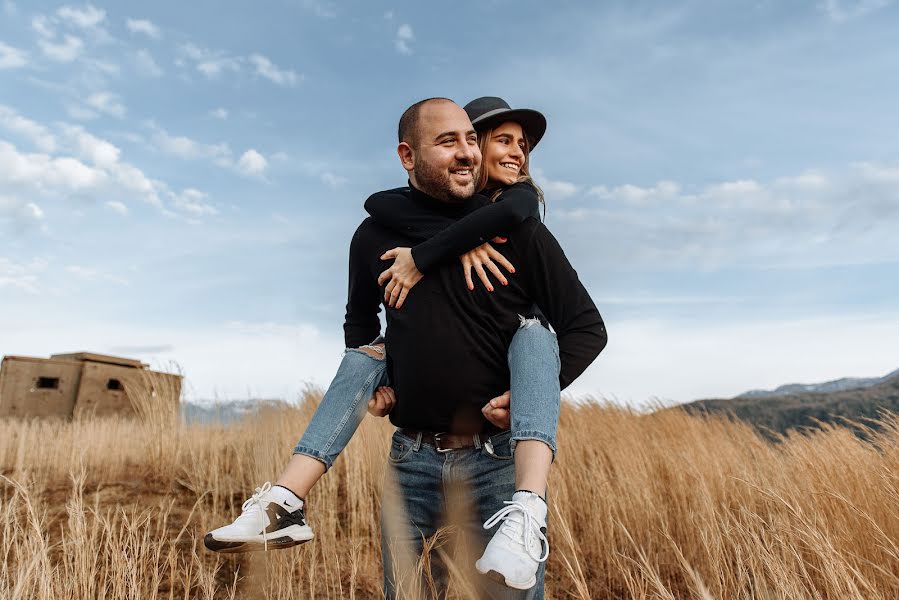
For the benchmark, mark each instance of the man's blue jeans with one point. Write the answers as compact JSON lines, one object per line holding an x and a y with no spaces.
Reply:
{"x":421,"y":488}
{"x":533,"y":364}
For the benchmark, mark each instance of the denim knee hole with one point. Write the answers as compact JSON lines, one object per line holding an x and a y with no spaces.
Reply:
{"x":527,"y":323}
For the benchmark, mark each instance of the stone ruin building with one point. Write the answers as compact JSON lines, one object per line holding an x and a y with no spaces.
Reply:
{"x":77,"y":385}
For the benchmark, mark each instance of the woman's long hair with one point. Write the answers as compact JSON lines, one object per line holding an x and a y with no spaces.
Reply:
{"x":523,"y":175}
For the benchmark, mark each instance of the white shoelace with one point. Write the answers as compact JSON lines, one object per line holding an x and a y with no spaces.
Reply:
{"x":529,"y":523}
{"x":255,"y":502}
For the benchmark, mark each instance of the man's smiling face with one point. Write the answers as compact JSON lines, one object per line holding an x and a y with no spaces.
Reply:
{"x":446,"y":156}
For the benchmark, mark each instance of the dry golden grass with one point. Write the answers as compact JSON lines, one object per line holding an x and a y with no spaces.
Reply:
{"x":662,"y":506}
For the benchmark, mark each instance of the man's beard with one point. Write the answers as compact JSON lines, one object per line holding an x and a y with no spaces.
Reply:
{"x":436,"y":182}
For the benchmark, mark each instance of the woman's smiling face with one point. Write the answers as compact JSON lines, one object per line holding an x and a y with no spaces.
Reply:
{"x":505,"y":154}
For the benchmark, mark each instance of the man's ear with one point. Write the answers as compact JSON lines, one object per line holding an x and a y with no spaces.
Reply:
{"x":407,"y":156}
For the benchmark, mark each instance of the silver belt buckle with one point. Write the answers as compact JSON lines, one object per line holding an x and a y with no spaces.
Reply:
{"x":437,"y":443}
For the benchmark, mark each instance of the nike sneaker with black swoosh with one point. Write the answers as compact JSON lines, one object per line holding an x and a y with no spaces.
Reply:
{"x":273,"y":518}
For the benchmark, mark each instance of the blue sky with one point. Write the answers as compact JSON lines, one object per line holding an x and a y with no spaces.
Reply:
{"x":179,"y":182}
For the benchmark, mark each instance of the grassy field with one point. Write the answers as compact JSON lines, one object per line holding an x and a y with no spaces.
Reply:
{"x":662,"y":505}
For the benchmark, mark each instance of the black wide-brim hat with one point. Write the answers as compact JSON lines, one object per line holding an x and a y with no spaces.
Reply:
{"x":488,"y":112}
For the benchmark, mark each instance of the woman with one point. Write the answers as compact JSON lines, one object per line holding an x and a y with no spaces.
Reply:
{"x":274,"y":518}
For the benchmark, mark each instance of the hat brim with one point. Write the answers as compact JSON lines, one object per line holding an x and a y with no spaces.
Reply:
{"x":532,"y":122}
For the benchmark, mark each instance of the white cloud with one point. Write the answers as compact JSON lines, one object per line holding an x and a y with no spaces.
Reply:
{"x":843,"y":10}
{"x":81,"y":113}
{"x":90,"y":168}
{"x":107,"y":102}
{"x":219,"y":113}
{"x":194,"y":52}
{"x":404,"y":36}
{"x":639,"y":196}
{"x":332,"y":180}
{"x":214,"y":67}
{"x":193,"y":203}
{"x":252,"y":163}
{"x":35,"y":132}
{"x":216,"y":63}
{"x":810,"y":219}
{"x":43,"y":27}
{"x":93,"y":274}
{"x":185,"y":147}
{"x":736,"y":190}
{"x":134,"y":138}
{"x":810,"y":180}
{"x":265,"y":68}
{"x":91,"y":148}
{"x":45,"y":172}
{"x":20,"y":275}
{"x":876,"y":173}
{"x":104,"y":67}
{"x":33,"y":211}
{"x":320,"y":8}
{"x":20,"y":215}
{"x":143,"y":26}
{"x":135,"y":181}
{"x":117,"y":207}
{"x":66,"y":48}
{"x":146,"y":64}
{"x":82,"y":272}
{"x":84,"y":18}
{"x":555,"y":189}
{"x":66,"y":51}
{"x":209,"y":62}
{"x":12,"y":58}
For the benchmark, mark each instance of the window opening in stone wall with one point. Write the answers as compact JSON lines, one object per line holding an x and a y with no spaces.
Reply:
{"x":47,"y":383}
{"x":114,"y":384}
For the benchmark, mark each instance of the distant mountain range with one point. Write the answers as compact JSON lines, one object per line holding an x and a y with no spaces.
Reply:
{"x":837,"y":385}
{"x":208,"y":413}
{"x":797,"y":406}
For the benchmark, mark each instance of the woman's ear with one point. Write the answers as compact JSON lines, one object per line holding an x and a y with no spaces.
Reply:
{"x":407,"y":156}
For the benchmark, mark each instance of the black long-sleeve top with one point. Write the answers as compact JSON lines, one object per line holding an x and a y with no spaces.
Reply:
{"x":441,"y":237}
{"x":447,"y":347}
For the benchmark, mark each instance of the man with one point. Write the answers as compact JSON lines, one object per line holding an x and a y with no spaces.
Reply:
{"x":447,"y":349}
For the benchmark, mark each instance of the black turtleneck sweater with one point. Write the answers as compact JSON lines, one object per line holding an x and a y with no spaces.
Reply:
{"x":447,"y":347}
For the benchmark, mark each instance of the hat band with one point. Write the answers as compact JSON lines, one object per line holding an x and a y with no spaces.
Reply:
{"x":491,"y":113}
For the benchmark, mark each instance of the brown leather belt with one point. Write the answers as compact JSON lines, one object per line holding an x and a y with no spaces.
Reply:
{"x":444,"y":442}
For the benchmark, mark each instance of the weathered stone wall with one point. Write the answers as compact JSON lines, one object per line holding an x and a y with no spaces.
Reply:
{"x":37,"y":387}
{"x":103,"y":390}
{"x":68,"y":386}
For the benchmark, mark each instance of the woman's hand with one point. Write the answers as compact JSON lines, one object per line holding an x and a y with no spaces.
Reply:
{"x":382,"y":402}
{"x":497,"y":411}
{"x":481,"y":257}
{"x":402,"y":276}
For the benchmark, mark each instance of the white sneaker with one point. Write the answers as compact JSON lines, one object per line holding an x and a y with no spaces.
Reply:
{"x":272,"y":519}
{"x":514,"y":553}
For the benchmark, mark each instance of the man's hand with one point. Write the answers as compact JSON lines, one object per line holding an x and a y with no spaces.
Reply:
{"x":382,"y":402}
{"x":402,"y":276}
{"x":483,"y":256}
{"x":497,"y":411}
